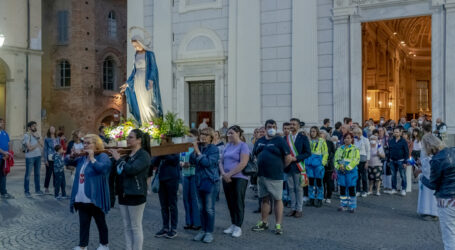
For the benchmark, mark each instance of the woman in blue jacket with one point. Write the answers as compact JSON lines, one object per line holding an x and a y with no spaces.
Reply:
{"x":206,"y":157}
{"x":90,"y":194}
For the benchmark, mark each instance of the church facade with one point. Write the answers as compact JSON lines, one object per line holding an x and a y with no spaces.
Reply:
{"x":249,"y":61}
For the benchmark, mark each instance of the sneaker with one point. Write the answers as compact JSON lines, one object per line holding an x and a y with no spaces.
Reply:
{"x":403,"y":193}
{"x":64,"y":197}
{"x":7,"y":196}
{"x":393,"y":191}
{"x":369,"y":193}
{"x":351,"y":210}
{"x":291,"y":213}
{"x":171,"y":234}
{"x":378,"y":193}
{"x":328,"y":201}
{"x":261,"y":226}
{"x":163,"y":232}
{"x":386,"y":191}
{"x":199,"y":236}
{"x":28,"y":195}
{"x":364,"y":195}
{"x":102,"y":247}
{"x":79,"y":248}
{"x":229,"y":230}
{"x":341,"y":209}
{"x":39,"y":193}
{"x":310,"y":203}
{"x":278,"y":230}
{"x":208,"y":238}
{"x":58,"y":197}
{"x":357,"y":194}
{"x":237,"y":232}
{"x":46,"y":191}
{"x":305,"y":199}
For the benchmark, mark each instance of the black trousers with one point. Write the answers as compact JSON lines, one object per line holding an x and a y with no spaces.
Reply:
{"x":328,"y":184}
{"x":235,"y":198}
{"x":168,"y":201}
{"x":86,"y":212}
{"x":49,"y":173}
{"x":363,"y":178}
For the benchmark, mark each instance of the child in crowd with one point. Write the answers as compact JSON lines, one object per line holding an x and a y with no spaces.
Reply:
{"x":59,"y":166}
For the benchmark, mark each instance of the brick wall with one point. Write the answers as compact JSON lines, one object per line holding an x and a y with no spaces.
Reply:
{"x":84,"y":104}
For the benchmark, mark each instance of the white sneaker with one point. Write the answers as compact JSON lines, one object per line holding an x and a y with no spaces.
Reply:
{"x":230,"y":229}
{"x":103,"y":247}
{"x":237,"y":232}
{"x":364,"y":195}
{"x":386,"y":191}
{"x":378,"y":193}
{"x":328,"y":201}
{"x":357,"y":194}
{"x":79,"y":248}
{"x":393,"y":191}
{"x":403,"y":193}
{"x":305,"y":199}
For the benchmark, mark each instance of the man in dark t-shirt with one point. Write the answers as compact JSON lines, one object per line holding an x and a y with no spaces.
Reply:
{"x":273,"y":155}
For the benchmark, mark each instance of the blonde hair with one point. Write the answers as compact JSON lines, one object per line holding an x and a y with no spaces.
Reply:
{"x":357,"y":130}
{"x":210,"y":133}
{"x":431,"y":144}
{"x":99,"y":145}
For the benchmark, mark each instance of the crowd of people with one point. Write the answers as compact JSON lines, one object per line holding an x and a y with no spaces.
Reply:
{"x":296,"y":167}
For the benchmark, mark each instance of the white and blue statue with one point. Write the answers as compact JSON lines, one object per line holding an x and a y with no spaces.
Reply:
{"x":142,"y":88}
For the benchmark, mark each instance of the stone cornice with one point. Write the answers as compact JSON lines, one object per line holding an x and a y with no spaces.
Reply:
{"x":21,"y":50}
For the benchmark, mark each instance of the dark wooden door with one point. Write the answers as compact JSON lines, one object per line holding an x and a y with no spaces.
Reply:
{"x":202,"y":102}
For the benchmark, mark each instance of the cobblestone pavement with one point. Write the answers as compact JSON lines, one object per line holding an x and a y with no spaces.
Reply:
{"x":385,"y":222}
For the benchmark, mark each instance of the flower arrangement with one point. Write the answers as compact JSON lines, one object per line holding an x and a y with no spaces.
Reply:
{"x":171,"y":126}
{"x":119,"y":133}
{"x":158,"y":128}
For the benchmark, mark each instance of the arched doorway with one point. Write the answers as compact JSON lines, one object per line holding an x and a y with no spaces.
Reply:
{"x":397,"y":68}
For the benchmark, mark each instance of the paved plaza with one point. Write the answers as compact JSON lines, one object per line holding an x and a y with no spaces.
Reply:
{"x":385,"y":222}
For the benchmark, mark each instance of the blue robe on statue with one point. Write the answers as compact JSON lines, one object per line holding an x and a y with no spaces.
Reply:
{"x":151,"y":75}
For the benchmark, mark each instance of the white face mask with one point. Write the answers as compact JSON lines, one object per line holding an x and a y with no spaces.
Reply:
{"x":420,"y":121}
{"x":373,"y":142}
{"x":381,"y":122}
{"x":271,"y":132}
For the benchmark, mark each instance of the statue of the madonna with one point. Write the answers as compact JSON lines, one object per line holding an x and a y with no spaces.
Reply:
{"x":142,"y":88}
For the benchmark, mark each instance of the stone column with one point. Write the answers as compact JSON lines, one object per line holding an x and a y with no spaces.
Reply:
{"x":356,"y":86}
{"x":437,"y":62}
{"x":305,"y":61}
{"x":341,"y":68}
{"x":450,"y":66}
{"x":244,"y":95}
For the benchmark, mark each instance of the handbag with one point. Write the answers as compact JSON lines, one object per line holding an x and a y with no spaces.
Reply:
{"x":251,"y":167}
{"x":206,"y":185}
{"x":156,"y":181}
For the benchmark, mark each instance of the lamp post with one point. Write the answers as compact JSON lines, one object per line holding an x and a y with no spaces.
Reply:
{"x":2,"y":39}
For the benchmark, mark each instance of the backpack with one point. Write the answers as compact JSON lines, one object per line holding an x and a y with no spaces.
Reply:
{"x":24,"y":146}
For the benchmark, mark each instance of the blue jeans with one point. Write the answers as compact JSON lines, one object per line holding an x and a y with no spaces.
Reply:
{"x":2,"y":178}
{"x":398,"y":166}
{"x":206,"y":203}
{"x":35,"y":163}
{"x":190,"y":201}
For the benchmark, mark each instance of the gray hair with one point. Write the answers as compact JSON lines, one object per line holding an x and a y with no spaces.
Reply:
{"x":431,"y":144}
{"x":323,"y":132}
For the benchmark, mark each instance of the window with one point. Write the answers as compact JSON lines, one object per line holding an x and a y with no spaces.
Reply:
{"x":112,"y":25}
{"x":63,"y":27}
{"x":64,"y":74}
{"x":109,"y":73}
